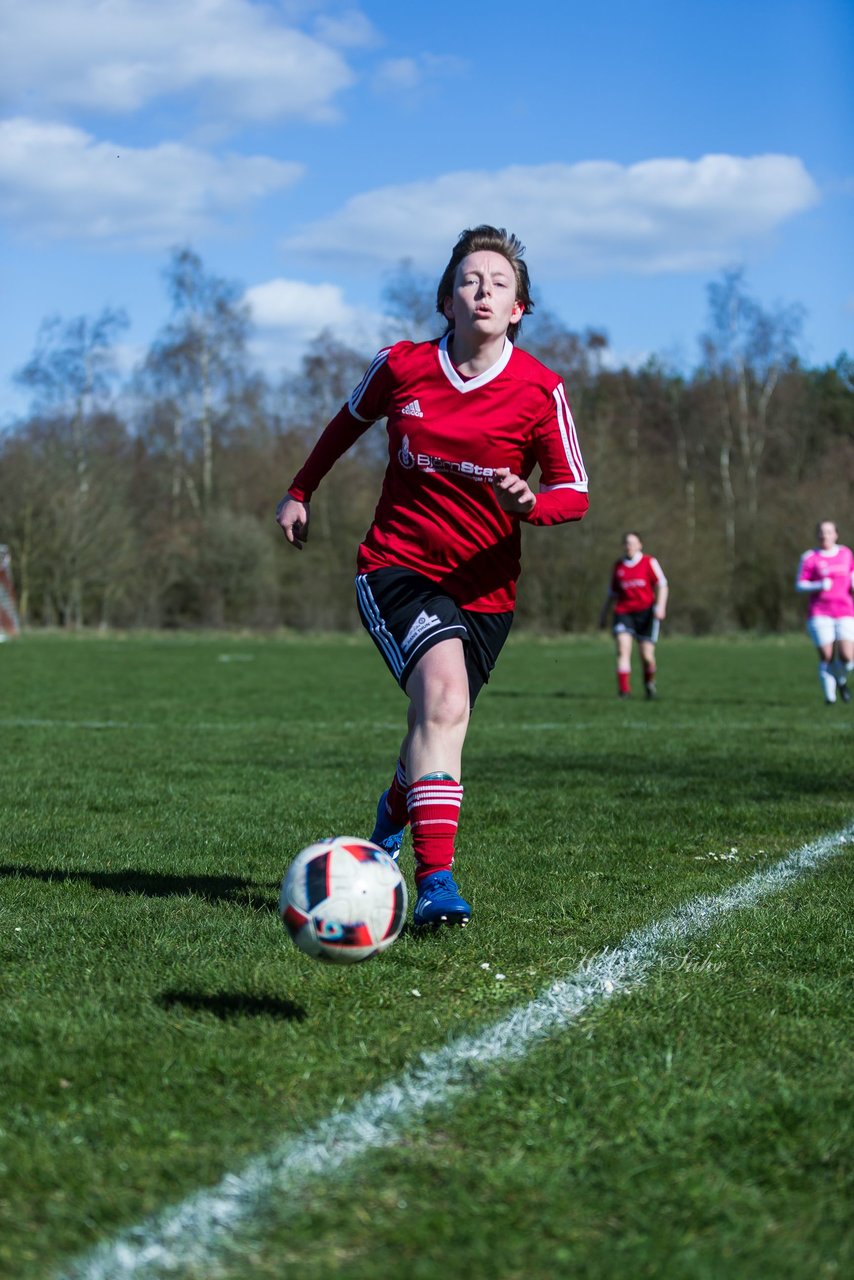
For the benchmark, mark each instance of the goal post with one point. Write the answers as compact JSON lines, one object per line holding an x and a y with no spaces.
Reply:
{"x":10,"y":623}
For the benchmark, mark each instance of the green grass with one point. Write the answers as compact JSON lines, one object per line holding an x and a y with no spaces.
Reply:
{"x":158,"y":1030}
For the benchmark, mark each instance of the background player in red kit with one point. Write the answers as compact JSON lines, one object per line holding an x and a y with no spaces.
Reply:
{"x":469,"y":417}
{"x":638,"y":593}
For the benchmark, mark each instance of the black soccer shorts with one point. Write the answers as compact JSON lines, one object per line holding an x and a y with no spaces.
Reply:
{"x":405,"y":614}
{"x":642,"y":624}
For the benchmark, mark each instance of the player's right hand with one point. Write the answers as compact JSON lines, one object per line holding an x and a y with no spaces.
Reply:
{"x":292,"y":516}
{"x":513,"y":492}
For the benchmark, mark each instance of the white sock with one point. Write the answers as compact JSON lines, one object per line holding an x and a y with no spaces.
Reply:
{"x":828,"y":681}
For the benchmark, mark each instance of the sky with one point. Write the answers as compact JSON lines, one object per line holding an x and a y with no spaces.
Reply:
{"x":306,"y":149}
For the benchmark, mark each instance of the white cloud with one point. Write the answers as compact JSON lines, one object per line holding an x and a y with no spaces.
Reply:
{"x":350,"y":29}
{"x":57,"y":181}
{"x":398,"y":73}
{"x":286,"y":304}
{"x":297,"y":312}
{"x":404,"y":75}
{"x":290,"y":313}
{"x":668,"y":215}
{"x":118,"y":55}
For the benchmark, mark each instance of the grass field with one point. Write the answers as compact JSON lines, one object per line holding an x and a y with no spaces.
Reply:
{"x":159,"y":1030}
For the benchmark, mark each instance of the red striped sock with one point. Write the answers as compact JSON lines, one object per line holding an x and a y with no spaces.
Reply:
{"x":623,"y":682}
{"x":434,"y":811}
{"x":648,"y":672}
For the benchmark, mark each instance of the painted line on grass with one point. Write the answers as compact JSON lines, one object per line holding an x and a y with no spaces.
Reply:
{"x":358,"y":726}
{"x":184,"y":726}
{"x":197,"y":1232}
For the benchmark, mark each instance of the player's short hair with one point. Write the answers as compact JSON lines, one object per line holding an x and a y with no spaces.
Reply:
{"x":633,"y":533}
{"x":493,"y":240}
{"x":821,"y":522}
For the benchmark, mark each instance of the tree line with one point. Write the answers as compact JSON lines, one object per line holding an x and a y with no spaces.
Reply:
{"x":148,"y":500}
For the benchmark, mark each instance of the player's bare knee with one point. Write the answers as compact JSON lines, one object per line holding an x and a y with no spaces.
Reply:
{"x":447,"y":707}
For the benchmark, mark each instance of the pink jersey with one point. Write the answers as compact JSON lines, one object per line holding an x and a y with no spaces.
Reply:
{"x":634,"y":584}
{"x":437,"y":513}
{"x":835,"y":567}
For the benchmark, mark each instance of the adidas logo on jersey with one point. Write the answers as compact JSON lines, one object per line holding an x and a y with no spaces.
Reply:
{"x":413,"y":409}
{"x":421,"y":623}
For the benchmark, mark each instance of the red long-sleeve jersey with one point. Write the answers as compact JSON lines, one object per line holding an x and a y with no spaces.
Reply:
{"x":437,"y":513}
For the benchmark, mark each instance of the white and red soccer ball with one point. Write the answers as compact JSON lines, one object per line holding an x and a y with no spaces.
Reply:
{"x":343,"y":900}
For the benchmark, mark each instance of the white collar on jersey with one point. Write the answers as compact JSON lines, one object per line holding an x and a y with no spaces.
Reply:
{"x":472,"y":384}
{"x":631,"y":561}
{"x":831,"y":551}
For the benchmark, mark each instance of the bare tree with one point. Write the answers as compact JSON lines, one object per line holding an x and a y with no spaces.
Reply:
{"x":193,"y":368}
{"x":409,"y":297}
{"x":72,"y":375}
{"x":328,"y":372}
{"x":746,"y":349}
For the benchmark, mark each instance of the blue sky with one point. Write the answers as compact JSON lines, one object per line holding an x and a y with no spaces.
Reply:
{"x":305,"y":149}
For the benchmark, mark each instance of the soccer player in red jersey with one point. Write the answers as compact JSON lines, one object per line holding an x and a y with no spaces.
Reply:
{"x":468,"y":417}
{"x":638,"y":593}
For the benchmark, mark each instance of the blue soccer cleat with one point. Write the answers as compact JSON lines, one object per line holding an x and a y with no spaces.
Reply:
{"x":386,"y":839}
{"x":439,"y":901}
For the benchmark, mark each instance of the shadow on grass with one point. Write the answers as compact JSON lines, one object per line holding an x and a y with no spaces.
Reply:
{"x":227,"y":1005}
{"x":534,"y":695}
{"x":155,"y":884}
{"x":733,"y":773}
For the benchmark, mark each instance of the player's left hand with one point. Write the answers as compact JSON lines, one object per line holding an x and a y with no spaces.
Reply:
{"x":292,"y":516}
{"x":513,"y":493}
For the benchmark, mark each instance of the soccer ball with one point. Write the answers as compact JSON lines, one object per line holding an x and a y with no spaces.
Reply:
{"x":343,"y":900}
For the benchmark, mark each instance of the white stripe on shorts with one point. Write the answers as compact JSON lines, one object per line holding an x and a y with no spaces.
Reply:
{"x":377,"y":627}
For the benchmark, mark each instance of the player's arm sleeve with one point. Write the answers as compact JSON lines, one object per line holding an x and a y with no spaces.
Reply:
{"x":563,"y":486}
{"x":365,"y":406}
{"x":658,"y":572}
{"x":802,"y":581}
{"x":337,"y":437}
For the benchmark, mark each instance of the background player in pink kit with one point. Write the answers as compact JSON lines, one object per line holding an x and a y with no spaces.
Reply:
{"x":638,"y":592}
{"x":826,"y":575}
{"x":469,"y":416}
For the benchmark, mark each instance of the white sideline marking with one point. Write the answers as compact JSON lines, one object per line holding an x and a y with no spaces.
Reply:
{"x":185,"y":726}
{"x":361,"y":726}
{"x":197,"y":1231}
